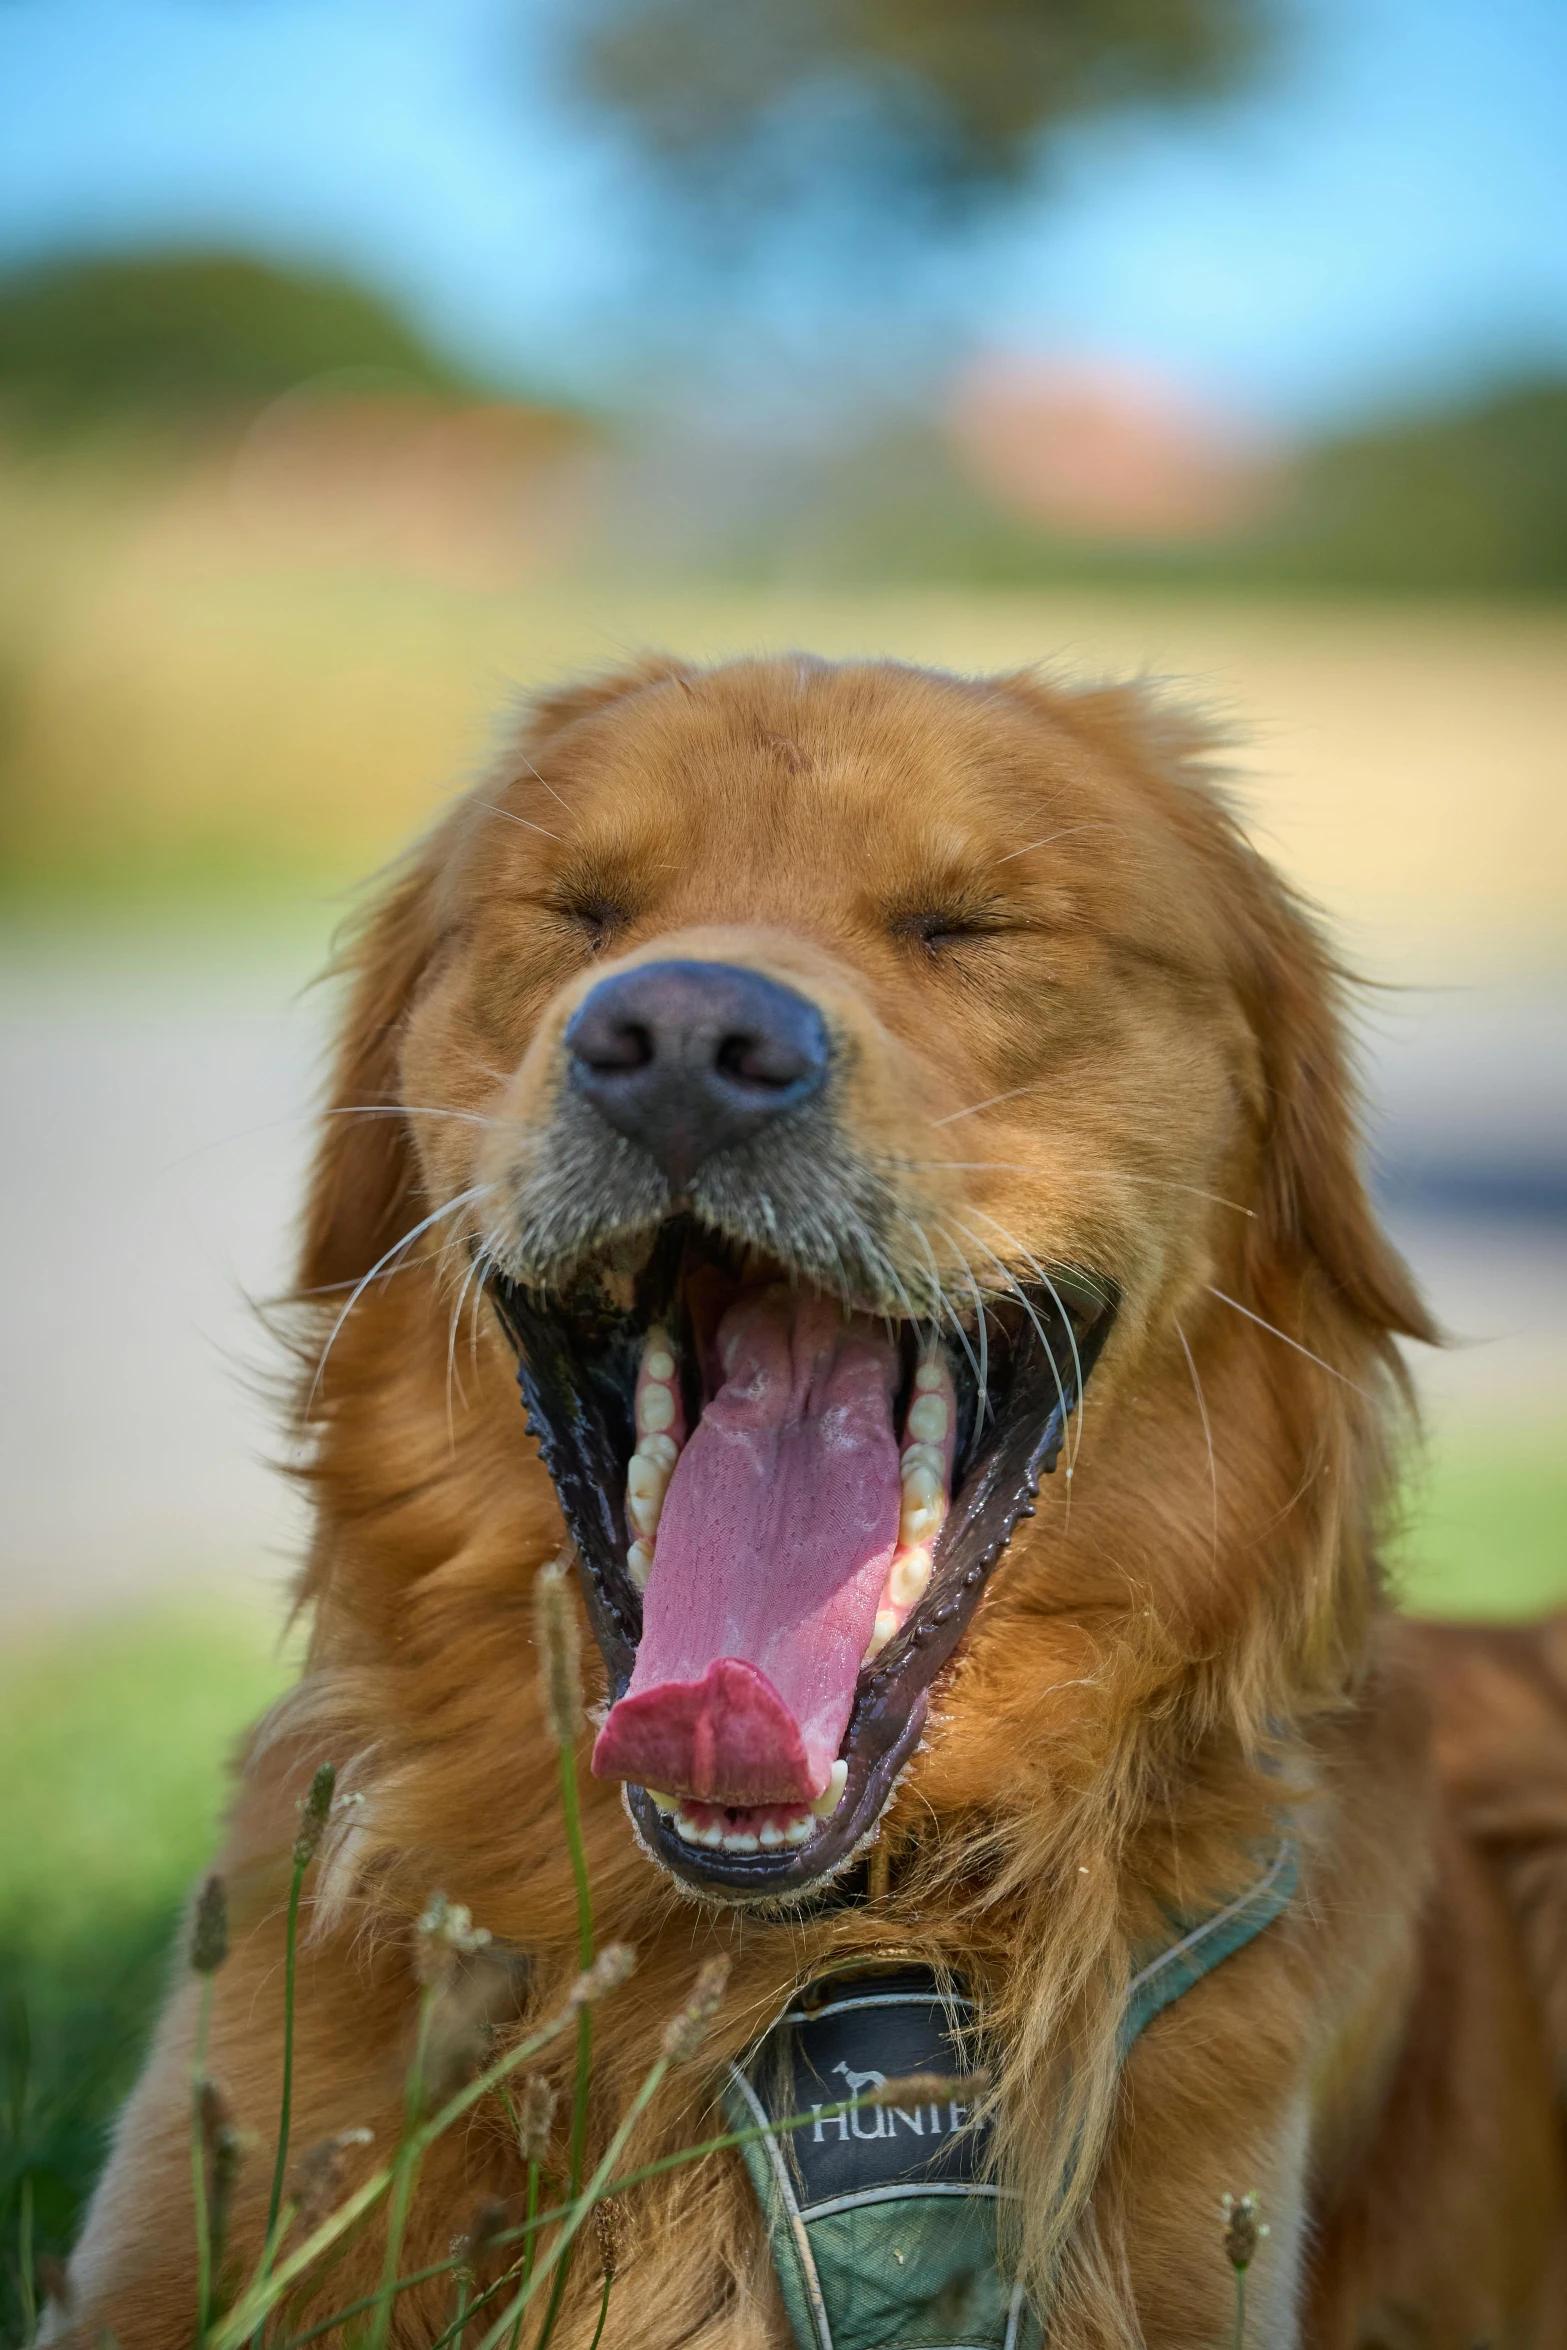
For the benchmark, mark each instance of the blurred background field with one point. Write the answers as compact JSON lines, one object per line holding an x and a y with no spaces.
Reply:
{"x":361,"y":369}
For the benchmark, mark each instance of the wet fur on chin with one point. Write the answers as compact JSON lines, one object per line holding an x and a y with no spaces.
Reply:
{"x":1172,"y":1647}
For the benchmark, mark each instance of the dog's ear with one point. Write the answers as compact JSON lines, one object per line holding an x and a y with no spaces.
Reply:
{"x":364,"y":1186}
{"x":363,"y":1181}
{"x":1314,"y":1206}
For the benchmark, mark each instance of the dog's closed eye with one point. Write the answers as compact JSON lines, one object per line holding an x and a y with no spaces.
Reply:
{"x":944,"y":926}
{"x":595,"y":914}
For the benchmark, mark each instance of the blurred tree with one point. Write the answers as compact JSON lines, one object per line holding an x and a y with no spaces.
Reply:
{"x":189,"y":337}
{"x":1473,"y":499}
{"x":754,"y":106}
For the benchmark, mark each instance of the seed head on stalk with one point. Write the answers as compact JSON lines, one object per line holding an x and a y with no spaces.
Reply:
{"x":929,"y":2088}
{"x":316,"y":2183}
{"x":685,"y":2033}
{"x":559,"y":1642}
{"x":443,"y":1936}
{"x":609,"y":1970}
{"x":209,"y":1933}
{"x":314,"y":1812}
{"x":536,"y":2103}
{"x":1242,"y":2231}
{"x":612,"y":2236}
{"x":224,"y":2146}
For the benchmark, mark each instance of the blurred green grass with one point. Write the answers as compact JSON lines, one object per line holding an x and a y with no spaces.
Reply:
{"x":113,"y":1740}
{"x":1486,"y":1530}
{"x":113,"y":1745}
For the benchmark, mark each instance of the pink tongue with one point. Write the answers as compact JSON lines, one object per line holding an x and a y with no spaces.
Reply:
{"x":776,"y":1536}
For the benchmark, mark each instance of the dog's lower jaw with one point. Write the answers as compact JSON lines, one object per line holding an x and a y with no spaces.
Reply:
{"x":825,"y":1884}
{"x":792,"y":1880}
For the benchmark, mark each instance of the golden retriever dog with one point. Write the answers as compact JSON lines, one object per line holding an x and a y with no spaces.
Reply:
{"x":899,"y":1132}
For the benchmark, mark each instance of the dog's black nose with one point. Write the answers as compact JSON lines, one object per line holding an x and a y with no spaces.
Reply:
{"x":689,"y":1058}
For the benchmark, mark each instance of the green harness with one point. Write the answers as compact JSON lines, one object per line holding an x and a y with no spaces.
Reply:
{"x":882,"y":2228}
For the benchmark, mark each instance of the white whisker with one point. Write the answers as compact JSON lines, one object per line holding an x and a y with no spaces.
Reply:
{"x":475,"y":1260}
{"x":409,"y":1110}
{"x":1016,"y":1289}
{"x":1276,"y":1332}
{"x":474,"y":1311}
{"x":985,"y":1408}
{"x":549,"y":787}
{"x":1065,"y":833}
{"x":309,"y":1117}
{"x":1207,"y":1437}
{"x":1077,"y":1368}
{"x":944,"y":1305}
{"x":895,"y":1283}
{"x":1038,"y":1270}
{"x":488,"y":1248}
{"x":989,"y":1103}
{"x":1075,"y":1174}
{"x":526,"y":822}
{"x":463,"y":1199}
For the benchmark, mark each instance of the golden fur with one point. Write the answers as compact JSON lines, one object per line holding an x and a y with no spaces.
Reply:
{"x":1088,"y":1021}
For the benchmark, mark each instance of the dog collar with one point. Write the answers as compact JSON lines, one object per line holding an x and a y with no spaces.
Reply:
{"x":881,"y":2222}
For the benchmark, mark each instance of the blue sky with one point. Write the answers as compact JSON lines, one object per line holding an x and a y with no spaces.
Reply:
{"x":1382,"y":215}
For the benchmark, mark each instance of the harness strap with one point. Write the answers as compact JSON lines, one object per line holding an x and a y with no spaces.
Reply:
{"x":881,"y":2224}
{"x":1203,"y":1946}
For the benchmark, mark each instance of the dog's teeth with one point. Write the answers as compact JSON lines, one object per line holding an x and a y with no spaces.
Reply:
{"x":923,"y":1467}
{"x":908,"y":1579}
{"x":658,"y":1362}
{"x":929,"y":1419}
{"x":639,"y":1563}
{"x":921,"y":1485}
{"x":707,"y":1833}
{"x":647,"y":1481}
{"x":646,"y":1478}
{"x":924,"y":1507}
{"x":887,"y":1622}
{"x":655,"y":1409}
{"x":646,"y":1485}
{"x":762,"y":1828}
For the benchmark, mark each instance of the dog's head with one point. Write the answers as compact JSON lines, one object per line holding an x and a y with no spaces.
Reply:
{"x":821,"y":1070}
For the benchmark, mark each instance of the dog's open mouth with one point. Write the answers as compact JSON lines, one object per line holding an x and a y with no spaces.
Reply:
{"x":785,"y":1514}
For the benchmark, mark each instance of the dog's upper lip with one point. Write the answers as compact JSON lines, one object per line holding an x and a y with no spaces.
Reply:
{"x":576,"y":1366}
